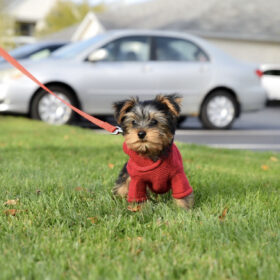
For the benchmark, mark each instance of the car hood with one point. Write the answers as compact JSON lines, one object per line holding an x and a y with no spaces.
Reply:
{"x":24,"y":62}
{"x":33,"y":64}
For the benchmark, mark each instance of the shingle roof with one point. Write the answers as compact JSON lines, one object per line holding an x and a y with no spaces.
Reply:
{"x":239,"y":19}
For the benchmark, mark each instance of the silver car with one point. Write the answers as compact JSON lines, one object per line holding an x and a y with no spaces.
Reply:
{"x":92,"y":74}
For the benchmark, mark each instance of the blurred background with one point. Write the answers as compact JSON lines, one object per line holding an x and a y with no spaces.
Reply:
{"x":249,"y":31}
{"x":227,"y":36}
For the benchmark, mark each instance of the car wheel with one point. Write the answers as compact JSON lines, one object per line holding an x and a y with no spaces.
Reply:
{"x":49,"y":109}
{"x":219,"y":110}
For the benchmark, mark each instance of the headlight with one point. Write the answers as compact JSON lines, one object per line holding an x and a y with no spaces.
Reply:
{"x":10,"y":74}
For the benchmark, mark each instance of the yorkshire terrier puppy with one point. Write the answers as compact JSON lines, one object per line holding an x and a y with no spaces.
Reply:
{"x":154,"y":160}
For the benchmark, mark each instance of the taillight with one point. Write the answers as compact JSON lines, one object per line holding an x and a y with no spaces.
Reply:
{"x":259,"y":73}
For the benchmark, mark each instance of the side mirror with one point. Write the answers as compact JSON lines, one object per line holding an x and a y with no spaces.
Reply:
{"x":98,"y":55}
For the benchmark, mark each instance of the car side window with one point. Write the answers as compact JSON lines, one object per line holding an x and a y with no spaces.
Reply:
{"x":174,"y":49}
{"x":136,"y":48}
{"x":272,"y":72}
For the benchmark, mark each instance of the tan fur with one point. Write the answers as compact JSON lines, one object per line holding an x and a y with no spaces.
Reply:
{"x":156,"y":139}
{"x":122,"y":190}
{"x":160,"y":117}
{"x":153,"y":143}
{"x":128,"y":104}
{"x":164,"y":100}
{"x":179,"y":100}
{"x":185,"y":202}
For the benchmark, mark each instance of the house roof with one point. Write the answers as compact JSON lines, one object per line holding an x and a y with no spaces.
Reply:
{"x":235,"y":19}
{"x":64,"y":34}
{"x":87,"y":28}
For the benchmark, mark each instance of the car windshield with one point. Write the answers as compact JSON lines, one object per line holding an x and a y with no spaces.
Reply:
{"x":74,"y":49}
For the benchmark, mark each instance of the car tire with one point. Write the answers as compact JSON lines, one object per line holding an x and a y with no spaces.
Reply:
{"x":47,"y":108}
{"x":219,"y":110}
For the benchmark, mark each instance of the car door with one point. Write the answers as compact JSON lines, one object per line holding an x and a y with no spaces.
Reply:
{"x":120,"y":72}
{"x":181,"y":66}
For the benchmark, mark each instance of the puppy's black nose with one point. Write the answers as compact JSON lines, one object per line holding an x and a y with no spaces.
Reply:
{"x":142,"y":134}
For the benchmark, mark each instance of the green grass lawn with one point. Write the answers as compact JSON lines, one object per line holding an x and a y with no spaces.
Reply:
{"x":64,"y":175}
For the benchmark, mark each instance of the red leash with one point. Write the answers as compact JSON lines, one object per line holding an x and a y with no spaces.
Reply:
{"x":104,"y":125}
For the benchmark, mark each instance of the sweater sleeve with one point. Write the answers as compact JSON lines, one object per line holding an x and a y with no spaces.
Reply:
{"x":180,"y":185}
{"x":137,"y":190}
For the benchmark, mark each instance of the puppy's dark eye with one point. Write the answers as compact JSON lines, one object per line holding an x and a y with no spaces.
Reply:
{"x":153,"y":122}
{"x":133,"y":123}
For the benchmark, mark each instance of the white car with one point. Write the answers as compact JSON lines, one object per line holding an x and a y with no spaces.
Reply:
{"x":116,"y":65}
{"x":271,"y":81}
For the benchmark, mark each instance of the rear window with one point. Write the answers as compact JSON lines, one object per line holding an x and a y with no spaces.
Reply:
{"x":175,"y":49}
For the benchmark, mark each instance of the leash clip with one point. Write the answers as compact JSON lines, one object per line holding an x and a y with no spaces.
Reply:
{"x":117,"y":131}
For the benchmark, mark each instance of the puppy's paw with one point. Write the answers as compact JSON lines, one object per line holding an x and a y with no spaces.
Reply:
{"x":186,"y":202}
{"x":121,"y":189}
{"x":135,"y":207}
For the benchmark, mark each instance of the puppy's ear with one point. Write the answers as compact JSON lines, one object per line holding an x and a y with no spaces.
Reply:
{"x":122,"y":107}
{"x":172,"y":103}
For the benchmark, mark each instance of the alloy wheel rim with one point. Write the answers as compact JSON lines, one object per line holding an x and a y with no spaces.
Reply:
{"x":220,"y":111}
{"x":52,"y":110}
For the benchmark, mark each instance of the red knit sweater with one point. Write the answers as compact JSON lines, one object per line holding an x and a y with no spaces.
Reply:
{"x":160,"y":176}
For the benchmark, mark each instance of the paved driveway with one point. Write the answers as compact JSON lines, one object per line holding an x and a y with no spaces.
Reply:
{"x":254,"y":131}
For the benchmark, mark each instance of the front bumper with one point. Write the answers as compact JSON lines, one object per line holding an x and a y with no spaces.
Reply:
{"x":15,"y":98}
{"x":4,"y":107}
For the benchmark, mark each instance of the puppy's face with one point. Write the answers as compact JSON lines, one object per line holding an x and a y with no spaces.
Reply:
{"x":148,"y":126}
